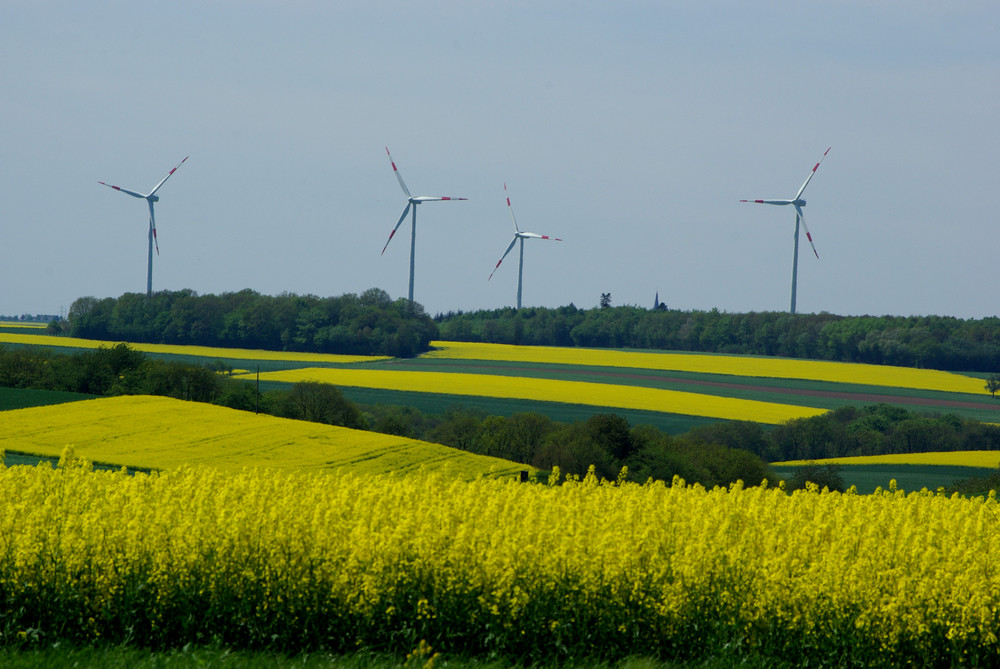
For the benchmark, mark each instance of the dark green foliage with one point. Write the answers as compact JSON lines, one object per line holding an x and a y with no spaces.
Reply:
{"x":320,"y":403}
{"x":659,"y":457}
{"x":514,"y":438}
{"x":181,"y":381}
{"x":612,"y":433}
{"x":742,"y":435}
{"x":824,"y":476}
{"x":935,"y":342}
{"x":398,"y":420}
{"x":977,"y":486}
{"x":574,"y":450}
{"x":369,"y":324}
{"x":460,"y":428}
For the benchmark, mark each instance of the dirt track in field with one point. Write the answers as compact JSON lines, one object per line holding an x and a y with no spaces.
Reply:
{"x":858,"y":397}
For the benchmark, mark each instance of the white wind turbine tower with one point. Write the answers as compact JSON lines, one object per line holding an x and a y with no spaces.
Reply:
{"x":800,"y":218}
{"x":150,"y":198}
{"x":411,"y":202}
{"x":519,"y":236}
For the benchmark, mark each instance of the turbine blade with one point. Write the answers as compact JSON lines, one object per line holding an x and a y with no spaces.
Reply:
{"x":434,"y":198}
{"x":535,"y":235}
{"x":809,"y":178}
{"x":512,"y":242}
{"x":802,"y":218}
{"x":510,"y":208}
{"x":152,"y":227}
{"x":398,"y":175}
{"x":402,"y":217}
{"x":169,"y":174}
{"x":768,"y":201}
{"x":123,"y":190}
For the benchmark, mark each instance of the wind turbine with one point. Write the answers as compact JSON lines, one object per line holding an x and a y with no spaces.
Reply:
{"x":150,"y":198}
{"x":519,"y":236}
{"x":800,"y":218}
{"x":411,"y":201}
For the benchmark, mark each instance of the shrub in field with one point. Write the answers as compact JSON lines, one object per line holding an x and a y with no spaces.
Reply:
{"x":822,"y":476}
{"x":495,"y":569}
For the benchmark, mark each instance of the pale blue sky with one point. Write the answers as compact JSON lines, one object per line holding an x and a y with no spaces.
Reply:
{"x":629,"y":129}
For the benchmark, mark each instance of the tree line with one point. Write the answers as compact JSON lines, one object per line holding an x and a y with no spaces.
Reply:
{"x":932,"y":342}
{"x":709,"y":454}
{"x":873,"y":429}
{"x":367,"y":324}
{"x":373,"y":324}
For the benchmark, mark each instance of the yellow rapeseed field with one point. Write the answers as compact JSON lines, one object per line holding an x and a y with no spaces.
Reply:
{"x":202,"y":351}
{"x":164,"y":433}
{"x":494,"y":568}
{"x":20,"y":324}
{"x":986,"y":459}
{"x":552,"y":390}
{"x":779,"y":368}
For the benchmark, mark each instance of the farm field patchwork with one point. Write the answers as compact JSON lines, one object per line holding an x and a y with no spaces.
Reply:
{"x":164,"y":433}
{"x":493,"y":568}
{"x":551,"y":390}
{"x":779,"y":368}
{"x":982,"y":459}
{"x":22,"y":325}
{"x":911,"y":471}
{"x":867,"y":479}
{"x":701,"y":386}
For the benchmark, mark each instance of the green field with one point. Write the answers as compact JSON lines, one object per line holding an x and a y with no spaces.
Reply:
{"x":13,"y":458}
{"x":866,"y":478}
{"x":21,"y":398}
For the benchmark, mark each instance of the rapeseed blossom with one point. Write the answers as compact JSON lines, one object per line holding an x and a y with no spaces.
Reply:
{"x":490,"y":567}
{"x":165,"y":433}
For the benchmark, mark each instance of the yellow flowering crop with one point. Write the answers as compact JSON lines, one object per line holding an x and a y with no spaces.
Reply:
{"x":20,"y":324}
{"x":203,"y":351}
{"x":552,"y":390}
{"x":985,"y":459}
{"x":779,"y":368}
{"x":164,"y":433}
{"x":494,"y":568}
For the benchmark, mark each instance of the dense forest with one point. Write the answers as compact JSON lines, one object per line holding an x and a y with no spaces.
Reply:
{"x":372,"y":323}
{"x":932,"y":342}
{"x":367,"y":324}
